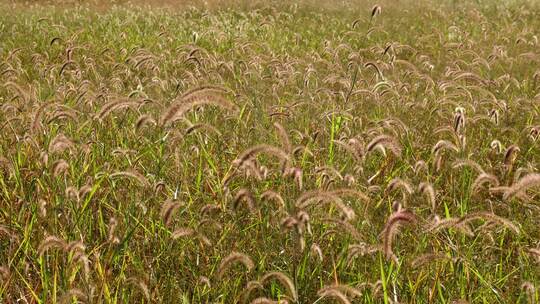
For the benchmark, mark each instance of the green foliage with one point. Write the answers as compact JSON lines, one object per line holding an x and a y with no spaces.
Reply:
{"x":103,"y":201}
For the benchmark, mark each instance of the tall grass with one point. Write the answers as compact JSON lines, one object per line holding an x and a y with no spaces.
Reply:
{"x":351,"y":152}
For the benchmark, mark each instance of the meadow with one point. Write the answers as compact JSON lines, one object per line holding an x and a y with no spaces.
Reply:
{"x":352,"y":152}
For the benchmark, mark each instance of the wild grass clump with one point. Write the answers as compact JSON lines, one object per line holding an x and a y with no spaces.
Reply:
{"x":269,"y":152}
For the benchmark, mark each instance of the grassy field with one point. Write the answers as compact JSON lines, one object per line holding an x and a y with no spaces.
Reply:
{"x":270,"y":153}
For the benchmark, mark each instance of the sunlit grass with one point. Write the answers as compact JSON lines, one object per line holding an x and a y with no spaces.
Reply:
{"x":270,"y":153}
